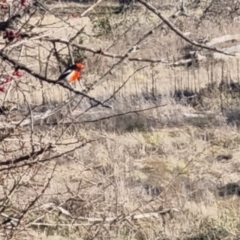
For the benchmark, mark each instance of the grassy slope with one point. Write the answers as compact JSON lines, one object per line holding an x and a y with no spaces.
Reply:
{"x":135,"y":167}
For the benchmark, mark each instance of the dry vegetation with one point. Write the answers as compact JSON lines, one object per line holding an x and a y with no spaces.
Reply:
{"x":161,"y":163}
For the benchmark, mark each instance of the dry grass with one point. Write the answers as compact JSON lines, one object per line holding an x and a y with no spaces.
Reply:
{"x":131,"y":172}
{"x":166,"y":158}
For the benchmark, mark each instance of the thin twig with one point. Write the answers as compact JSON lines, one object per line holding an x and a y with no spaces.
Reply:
{"x":177,"y":31}
{"x":102,"y":53}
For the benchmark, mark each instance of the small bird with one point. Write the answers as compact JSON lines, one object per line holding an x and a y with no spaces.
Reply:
{"x":72,"y":74}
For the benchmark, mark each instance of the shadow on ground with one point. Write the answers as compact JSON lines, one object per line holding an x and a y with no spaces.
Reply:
{"x":215,"y":105}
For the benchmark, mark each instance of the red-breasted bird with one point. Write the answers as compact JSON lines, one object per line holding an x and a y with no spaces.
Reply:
{"x":73,"y":73}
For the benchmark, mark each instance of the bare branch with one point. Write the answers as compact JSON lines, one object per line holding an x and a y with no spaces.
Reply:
{"x":40,"y":77}
{"x":28,"y":156}
{"x":136,"y":111}
{"x":103,"y":53}
{"x":177,"y":31}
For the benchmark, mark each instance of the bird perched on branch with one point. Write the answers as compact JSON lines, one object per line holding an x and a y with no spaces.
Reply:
{"x":73,"y":73}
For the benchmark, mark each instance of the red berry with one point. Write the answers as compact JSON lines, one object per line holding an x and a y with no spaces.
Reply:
{"x":74,"y":15}
{"x":2,"y":89}
{"x":24,"y":3}
{"x":19,"y":74}
{"x":10,"y":33}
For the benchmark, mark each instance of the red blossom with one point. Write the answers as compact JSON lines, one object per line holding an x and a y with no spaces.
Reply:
{"x":9,"y":34}
{"x":3,"y":82}
{"x":24,"y":3}
{"x":17,"y":73}
{"x":2,"y":89}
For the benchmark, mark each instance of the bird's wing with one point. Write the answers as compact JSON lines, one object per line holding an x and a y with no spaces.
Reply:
{"x":65,"y":73}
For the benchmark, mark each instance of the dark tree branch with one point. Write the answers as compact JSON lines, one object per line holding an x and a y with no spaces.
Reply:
{"x":27,"y":157}
{"x":51,"y":158}
{"x":18,"y":65}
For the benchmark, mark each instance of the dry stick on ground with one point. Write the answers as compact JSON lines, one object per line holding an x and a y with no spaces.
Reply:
{"x":107,"y":220}
{"x":223,"y":39}
{"x":177,"y":31}
{"x":27,"y":120}
{"x":91,"y":8}
{"x":40,"y":77}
